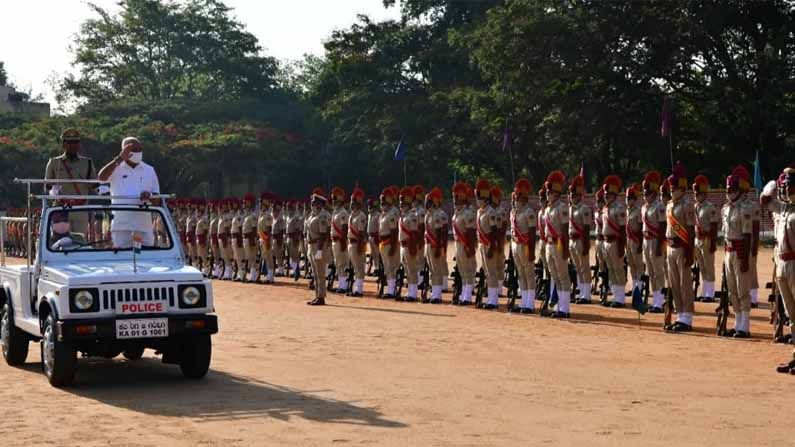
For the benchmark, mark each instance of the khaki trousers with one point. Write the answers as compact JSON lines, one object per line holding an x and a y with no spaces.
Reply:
{"x":582,"y":263}
{"x":391,"y":263}
{"x":267,"y":256}
{"x":785,"y":280}
{"x":467,"y":265}
{"x":524,"y":266}
{"x":738,"y":283}
{"x":753,"y":276}
{"x":705,"y":260}
{"x":558,"y":267}
{"x":615,"y":264}
{"x":319,"y":267}
{"x":411,"y":263}
{"x":655,"y":265}
{"x":491,"y":266}
{"x":436,"y":265}
{"x":357,"y":260}
{"x":681,"y":280}
{"x":341,"y":257}
{"x":635,"y":259}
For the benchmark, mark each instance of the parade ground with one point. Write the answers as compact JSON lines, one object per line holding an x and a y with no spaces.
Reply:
{"x":372,"y":372}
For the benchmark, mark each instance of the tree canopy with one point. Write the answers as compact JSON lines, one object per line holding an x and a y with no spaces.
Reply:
{"x":563,"y":83}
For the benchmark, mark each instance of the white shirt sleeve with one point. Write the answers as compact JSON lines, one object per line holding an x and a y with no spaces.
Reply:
{"x":154,"y":183}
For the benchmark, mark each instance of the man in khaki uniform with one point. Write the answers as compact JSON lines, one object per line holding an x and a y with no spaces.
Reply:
{"x":634,"y":250}
{"x":707,"y":220}
{"x":503,"y":223}
{"x":190,"y":231}
{"x":388,"y":243}
{"x":419,"y":210}
{"x":225,"y":239}
{"x":318,"y":235}
{"x":680,"y":235}
{"x":277,"y":236}
{"x":201,"y":226}
{"x":756,"y":218}
{"x":409,"y":236}
{"x":373,"y":216}
{"x":436,"y":222}
{"x":248,"y":232}
{"x":488,"y":237}
{"x":784,"y":214}
{"x":465,"y":236}
{"x":236,"y":231}
{"x":556,"y":231}
{"x":599,"y":254}
{"x":737,"y":228}
{"x":580,"y":221}
{"x":212,"y":233}
{"x":180,"y":218}
{"x":614,"y":230}
{"x":293,"y":232}
{"x":653,"y":217}
{"x":70,"y":165}
{"x":523,"y":240}
{"x":264,"y":229}
{"x":357,"y":240}
{"x":339,"y":236}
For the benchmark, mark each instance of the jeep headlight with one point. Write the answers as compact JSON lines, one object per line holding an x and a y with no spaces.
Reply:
{"x":83,"y":300}
{"x":191,"y":296}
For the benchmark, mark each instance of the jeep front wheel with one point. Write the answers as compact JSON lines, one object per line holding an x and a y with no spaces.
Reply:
{"x":14,"y":341}
{"x":58,"y":359}
{"x":195,"y":356}
{"x":134,"y":353}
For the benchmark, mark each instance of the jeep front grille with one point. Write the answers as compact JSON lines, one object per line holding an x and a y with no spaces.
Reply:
{"x":135,"y":295}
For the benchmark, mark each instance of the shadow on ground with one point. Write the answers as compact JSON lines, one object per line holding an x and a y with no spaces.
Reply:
{"x":150,"y":387}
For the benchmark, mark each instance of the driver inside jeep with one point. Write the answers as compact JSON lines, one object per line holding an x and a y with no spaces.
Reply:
{"x":61,"y":238}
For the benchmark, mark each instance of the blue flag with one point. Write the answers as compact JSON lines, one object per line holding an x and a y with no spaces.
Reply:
{"x":757,"y":175}
{"x":553,"y":299}
{"x":637,"y":301}
{"x":400,"y":151}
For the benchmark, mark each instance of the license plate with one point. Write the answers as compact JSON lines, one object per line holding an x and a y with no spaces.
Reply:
{"x":142,"y":328}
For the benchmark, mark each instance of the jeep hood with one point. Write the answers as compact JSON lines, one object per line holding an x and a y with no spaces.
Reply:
{"x":104,"y":272}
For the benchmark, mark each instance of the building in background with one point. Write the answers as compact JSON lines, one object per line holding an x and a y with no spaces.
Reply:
{"x":12,"y":101}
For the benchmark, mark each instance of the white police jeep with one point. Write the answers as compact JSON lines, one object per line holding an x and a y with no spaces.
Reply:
{"x":104,"y":280}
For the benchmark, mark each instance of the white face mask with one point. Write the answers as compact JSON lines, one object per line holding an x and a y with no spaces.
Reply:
{"x":136,"y":157}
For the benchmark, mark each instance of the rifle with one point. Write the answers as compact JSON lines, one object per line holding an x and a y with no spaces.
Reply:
{"x":401,"y":278}
{"x":778,"y":314}
{"x":573,"y":278}
{"x":723,"y":308}
{"x":604,"y":286}
{"x":297,"y":271}
{"x":645,"y":287}
{"x":480,"y":287}
{"x":350,"y":277}
{"x":542,"y":285}
{"x":425,"y":274}
{"x":696,"y":280}
{"x":332,"y":273}
{"x":594,"y":278}
{"x":668,"y":306}
{"x":511,"y":280}
{"x":369,"y":258}
{"x":457,"y":284}
{"x":379,"y":273}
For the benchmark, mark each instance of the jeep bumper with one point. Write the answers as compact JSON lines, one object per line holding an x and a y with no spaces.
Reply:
{"x":105,"y":328}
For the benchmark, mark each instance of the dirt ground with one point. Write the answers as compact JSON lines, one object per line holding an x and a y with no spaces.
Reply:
{"x":373,"y":372}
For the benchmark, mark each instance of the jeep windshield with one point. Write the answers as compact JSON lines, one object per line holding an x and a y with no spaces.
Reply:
{"x":107,"y":229}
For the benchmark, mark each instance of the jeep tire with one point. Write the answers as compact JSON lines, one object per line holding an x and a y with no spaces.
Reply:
{"x":15,"y":342}
{"x":194,"y":360}
{"x":134,"y":353}
{"x":58,"y":358}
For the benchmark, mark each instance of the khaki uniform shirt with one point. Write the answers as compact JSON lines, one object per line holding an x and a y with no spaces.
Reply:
{"x":63,"y":168}
{"x":372,"y":222}
{"x":706,"y":214}
{"x":357,"y":226}
{"x":557,"y":217}
{"x":580,"y":216}
{"x":463,"y":221}
{"x":318,"y":225}
{"x":435,"y":219}
{"x":339,"y":219}
{"x":388,"y":222}
{"x":682,"y":211}
{"x":409,"y":224}
{"x":614,"y":215}
{"x":523,"y":223}
{"x":487,"y":221}
{"x":736,"y":220}
{"x":652,"y":216}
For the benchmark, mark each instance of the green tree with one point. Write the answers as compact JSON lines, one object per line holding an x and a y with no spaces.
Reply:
{"x":3,"y":74}
{"x":160,"y":50}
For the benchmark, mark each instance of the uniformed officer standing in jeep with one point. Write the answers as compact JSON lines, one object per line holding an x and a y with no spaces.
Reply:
{"x":72,"y":166}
